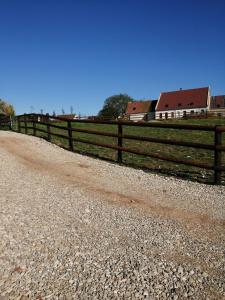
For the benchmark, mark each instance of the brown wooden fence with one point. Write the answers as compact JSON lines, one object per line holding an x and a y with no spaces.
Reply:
{"x":30,"y":121}
{"x":6,"y":122}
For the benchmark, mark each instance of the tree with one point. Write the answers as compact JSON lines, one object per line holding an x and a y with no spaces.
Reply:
{"x":115,"y":106}
{"x":6,"y":108}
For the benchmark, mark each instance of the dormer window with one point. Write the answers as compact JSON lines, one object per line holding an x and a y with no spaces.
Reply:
{"x":191,"y":103}
{"x":134,"y":108}
{"x":179,"y":104}
{"x":166,"y":105}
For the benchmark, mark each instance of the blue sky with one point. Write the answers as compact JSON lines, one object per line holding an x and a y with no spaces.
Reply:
{"x":58,"y":53}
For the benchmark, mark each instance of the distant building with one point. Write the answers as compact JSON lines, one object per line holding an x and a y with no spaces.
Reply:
{"x":68,"y":116}
{"x":217,"y":105}
{"x":178,"y":104}
{"x":141,"y":110}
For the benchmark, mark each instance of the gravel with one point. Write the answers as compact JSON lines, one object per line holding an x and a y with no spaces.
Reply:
{"x":73,"y":227}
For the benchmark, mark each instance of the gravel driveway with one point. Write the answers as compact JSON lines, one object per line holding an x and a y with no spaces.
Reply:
{"x":73,"y":227}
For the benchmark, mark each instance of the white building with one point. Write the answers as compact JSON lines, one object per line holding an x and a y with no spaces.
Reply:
{"x":141,"y":110}
{"x":181,"y":103}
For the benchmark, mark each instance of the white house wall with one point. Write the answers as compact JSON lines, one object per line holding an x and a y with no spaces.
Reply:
{"x":137,"y":117}
{"x":178,"y":113}
{"x":142,"y":116}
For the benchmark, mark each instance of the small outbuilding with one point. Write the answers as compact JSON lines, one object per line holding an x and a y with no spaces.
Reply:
{"x":67,"y":116}
{"x":141,"y":110}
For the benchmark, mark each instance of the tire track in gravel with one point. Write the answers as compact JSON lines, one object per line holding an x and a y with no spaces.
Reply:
{"x":84,"y":176}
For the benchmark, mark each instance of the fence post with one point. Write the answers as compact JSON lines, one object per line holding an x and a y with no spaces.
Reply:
{"x":34,"y":125}
{"x":48,"y":128}
{"x":70,"y":134}
{"x":19,"y":124}
{"x":120,"y":143}
{"x":25,"y":123}
{"x":217,"y":156}
{"x":10,"y":123}
{"x":34,"y":128}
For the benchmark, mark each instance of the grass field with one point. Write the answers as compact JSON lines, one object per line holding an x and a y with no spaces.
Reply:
{"x":155,"y":165}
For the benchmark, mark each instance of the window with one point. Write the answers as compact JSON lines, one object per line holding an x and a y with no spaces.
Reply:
{"x":172,"y":114}
{"x":192,"y":112}
{"x":202,"y":111}
{"x":166,"y":115}
{"x":134,"y":108}
{"x":166,"y":105}
{"x":218,"y":105}
{"x":184,"y":113}
{"x":160,"y":115}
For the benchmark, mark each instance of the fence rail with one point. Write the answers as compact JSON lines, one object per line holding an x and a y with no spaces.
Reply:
{"x":25,"y":121}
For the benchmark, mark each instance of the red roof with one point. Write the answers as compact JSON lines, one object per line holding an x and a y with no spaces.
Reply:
{"x":138,"y":107}
{"x":217,"y":102}
{"x":183,"y":99}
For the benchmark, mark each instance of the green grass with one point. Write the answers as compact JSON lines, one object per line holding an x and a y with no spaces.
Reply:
{"x":164,"y":167}
{"x":4,"y":127}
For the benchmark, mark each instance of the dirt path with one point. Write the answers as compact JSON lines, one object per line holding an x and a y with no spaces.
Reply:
{"x":74,"y":202}
{"x":90,"y":178}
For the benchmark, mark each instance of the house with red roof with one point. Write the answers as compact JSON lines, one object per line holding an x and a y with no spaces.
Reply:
{"x":217,"y":105}
{"x":141,"y":110}
{"x":178,"y":104}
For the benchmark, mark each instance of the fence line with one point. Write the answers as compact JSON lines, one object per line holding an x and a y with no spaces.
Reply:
{"x":216,"y":147}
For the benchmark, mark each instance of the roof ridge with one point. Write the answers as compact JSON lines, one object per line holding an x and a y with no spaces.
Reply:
{"x":185,"y":90}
